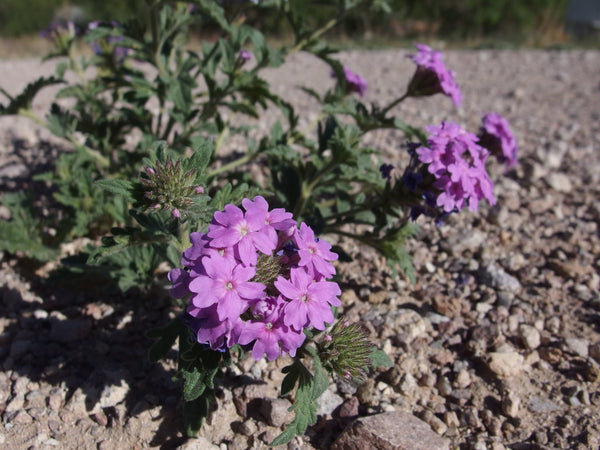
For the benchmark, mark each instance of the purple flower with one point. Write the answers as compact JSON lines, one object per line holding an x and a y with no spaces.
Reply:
{"x":310,"y":300}
{"x":457,"y":163}
{"x":181,"y":281}
{"x":431,"y":76}
{"x":233,"y":228}
{"x":354,"y":82}
{"x":271,"y":335}
{"x":386,"y":171}
{"x":227,"y":284}
{"x":496,"y":136}
{"x":255,"y":278}
{"x":212,"y":330}
{"x":314,"y":254}
{"x":245,"y":56}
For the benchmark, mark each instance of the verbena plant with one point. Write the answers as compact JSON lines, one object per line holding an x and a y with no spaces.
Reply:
{"x":148,"y":119}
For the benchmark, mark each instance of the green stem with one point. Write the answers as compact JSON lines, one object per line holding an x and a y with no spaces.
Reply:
{"x":306,"y":129}
{"x":394,"y":103}
{"x":318,"y":33}
{"x":358,"y":237}
{"x":307,"y":190}
{"x":221,"y":139}
{"x":31,"y":115}
{"x":233,"y":164}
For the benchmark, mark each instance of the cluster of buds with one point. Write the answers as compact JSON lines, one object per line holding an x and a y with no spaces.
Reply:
{"x":345,"y":350}
{"x":169,"y":186}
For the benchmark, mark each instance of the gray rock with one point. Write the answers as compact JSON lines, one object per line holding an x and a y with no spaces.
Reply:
{"x":510,"y":404}
{"x":349,"y":408}
{"x":434,"y":422}
{"x":275,"y":411}
{"x":530,"y":336}
{"x":497,"y":278}
{"x":577,"y":346}
{"x":407,"y":384}
{"x":594,"y":351}
{"x":404,"y":325}
{"x":114,"y":394}
{"x":391,"y":430}
{"x":506,"y":364}
{"x":456,"y":244}
{"x":560,"y":182}
{"x":198,"y":443}
{"x":538,"y":404}
{"x":328,"y":402}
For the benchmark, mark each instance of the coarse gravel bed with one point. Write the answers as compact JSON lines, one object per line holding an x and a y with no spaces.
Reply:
{"x":496,"y":345}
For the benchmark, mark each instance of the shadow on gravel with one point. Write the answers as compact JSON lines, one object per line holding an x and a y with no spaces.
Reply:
{"x":90,"y":347}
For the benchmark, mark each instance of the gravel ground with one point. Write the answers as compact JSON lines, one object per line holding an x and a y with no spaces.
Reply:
{"x":497,"y":345}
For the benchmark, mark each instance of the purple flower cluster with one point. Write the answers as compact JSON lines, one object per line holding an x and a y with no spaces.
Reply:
{"x":431,"y":76}
{"x":354,"y":82}
{"x":496,"y":136}
{"x":457,"y":163}
{"x":255,"y":277}
{"x":118,"y":52}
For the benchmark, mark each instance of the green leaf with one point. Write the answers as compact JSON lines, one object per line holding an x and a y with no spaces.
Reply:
{"x":194,"y":384}
{"x":61,"y":123}
{"x":24,"y":100}
{"x":167,"y":336}
{"x":194,"y":413}
{"x":380,"y":359}
{"x":120,"y":187}
{"x":310,"y":388}
{"x":203,"y":151}
{"x":286,"y":436}
{"x":23,"y":232}
{"x":320,"y":380}
{"x":215,"y":12}
{"x":289,"y":381}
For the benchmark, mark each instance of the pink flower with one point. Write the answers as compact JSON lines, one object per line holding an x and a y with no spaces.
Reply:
{"x":232,"y":228}
{"x":457,"y":163}
{"x":270,"y":334}
{"x":496,"y":136}
{"x":314,"y":254}
{"x":238,"y":277}
{"x":431,"y":76}
{"x":227,"y":284}
{"x":310,"y":300}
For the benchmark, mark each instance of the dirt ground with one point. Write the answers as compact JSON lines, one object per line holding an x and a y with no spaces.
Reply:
{"x":497,"y":344}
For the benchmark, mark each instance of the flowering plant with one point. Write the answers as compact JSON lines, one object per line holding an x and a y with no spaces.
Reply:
{"x":160,"y":187}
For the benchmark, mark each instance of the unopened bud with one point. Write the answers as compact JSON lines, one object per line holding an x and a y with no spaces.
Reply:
{"x":345,"y":350}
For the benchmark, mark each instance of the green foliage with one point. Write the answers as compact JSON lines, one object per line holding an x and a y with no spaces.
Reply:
{"x":23,"y":101}
{"x":380,"y":359}
{"x":197,"y":366}
{"x":23,"y":233}
{"x":310,"y":387}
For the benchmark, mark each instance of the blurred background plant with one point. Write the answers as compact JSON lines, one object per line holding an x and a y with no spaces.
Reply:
{"x":474,"y":23}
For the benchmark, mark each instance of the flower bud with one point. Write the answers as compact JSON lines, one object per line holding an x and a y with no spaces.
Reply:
{"x":345,"y":350}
